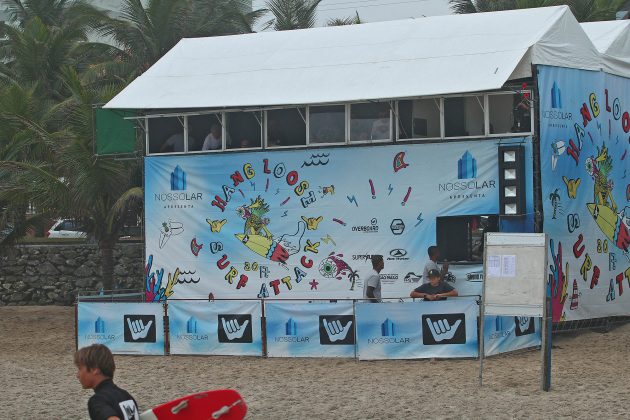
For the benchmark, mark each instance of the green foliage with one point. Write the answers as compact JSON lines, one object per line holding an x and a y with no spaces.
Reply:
{"x":293,"y":14}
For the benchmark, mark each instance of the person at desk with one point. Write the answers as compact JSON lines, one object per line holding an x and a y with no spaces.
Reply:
{"x":173,"y":144}
{"x":435,"y":289}
{"x":213,"y":139}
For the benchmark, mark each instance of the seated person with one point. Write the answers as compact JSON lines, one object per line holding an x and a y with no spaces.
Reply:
{"x":435,"y":289}
{"x":173,"y":144}
{"x":244,"y":143}
{"x":213,"y":139}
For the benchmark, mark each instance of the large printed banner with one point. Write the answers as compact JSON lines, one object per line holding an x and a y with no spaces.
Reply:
{"x":503,"y":334}
{"x":310,"y":329}
{"x":126,"y":328}
{"x":303,"y":223}
{"x":585,"y":140}
{"x":219,"y":328}
{"x":415,"y":330}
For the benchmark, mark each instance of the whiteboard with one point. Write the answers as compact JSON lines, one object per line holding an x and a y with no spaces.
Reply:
{"x":515,"y":274}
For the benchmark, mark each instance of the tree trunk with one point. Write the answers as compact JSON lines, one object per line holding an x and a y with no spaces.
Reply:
{"x":106,"y":247}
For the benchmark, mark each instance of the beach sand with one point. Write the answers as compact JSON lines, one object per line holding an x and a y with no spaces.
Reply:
{"x":591,"y":377}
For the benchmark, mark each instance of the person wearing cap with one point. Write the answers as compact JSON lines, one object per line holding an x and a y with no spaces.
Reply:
{"x":434,"y":255}
{"x":435,"y":289}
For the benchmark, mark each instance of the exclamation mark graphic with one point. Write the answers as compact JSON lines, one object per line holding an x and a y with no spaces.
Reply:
{"x":373,"y":191}
{"x":406,"y":197}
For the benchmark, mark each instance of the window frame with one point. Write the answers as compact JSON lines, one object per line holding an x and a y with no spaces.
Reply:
{"x":349,"y":140}
{"x":308,"y":126}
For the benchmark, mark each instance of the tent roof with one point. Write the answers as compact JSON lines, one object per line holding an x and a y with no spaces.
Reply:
{"x":612,"y":40}
{"x":395,"y":59}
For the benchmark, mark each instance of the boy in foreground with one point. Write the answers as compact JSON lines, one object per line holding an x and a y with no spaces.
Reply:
{"x":96,"y":368}
{"x":435,"y":289}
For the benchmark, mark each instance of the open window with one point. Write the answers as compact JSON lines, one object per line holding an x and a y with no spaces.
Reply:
{"x":166,"y":134}
{"x":244,"y":129}
{"x":205,"y":132}
{"x":460,"y":238}
{"x":370,"y":122}
{"x":327,"y":124}
{"x":286,"y":127}
{"x":510,"y":112}
{"x":419,"y":119}
{"x":464,"y":116}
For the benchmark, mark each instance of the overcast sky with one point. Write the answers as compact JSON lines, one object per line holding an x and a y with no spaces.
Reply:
{"x":374,"y":10}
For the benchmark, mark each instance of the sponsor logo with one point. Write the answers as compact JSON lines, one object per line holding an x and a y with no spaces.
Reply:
{"x":499,"y":332}
{"x":178,"y":197}
{"x":398,"y":254}
{"x":291,"y":331}
{"x":388,"y":276}
{"x":397,"y":226}
{"x":412,"y":277}
{"x":524,"y":325}
{"x":192,"y":331}
{"x":474,"y":276}
{"x":388,"y":335}
{"x":556,"y":96}
{"x":443,"y":329}
{"x":191,"y":326}
{"x":235,"y":328}
{"x":361,"y":257}
{"x":467,"y":166}
{"x":336,"y":329}
{"x":178,"y":179}
{"x":139,"y":328}
{"x":371,"y":228}
{"x":100,"y":332}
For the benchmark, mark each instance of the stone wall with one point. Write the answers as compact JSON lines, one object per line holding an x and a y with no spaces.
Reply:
{"x":53,"y":274}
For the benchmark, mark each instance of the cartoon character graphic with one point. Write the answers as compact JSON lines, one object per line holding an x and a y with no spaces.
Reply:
{"x":327,"y":190}
{"x":604,"y":210}
{"x":334,"y":266}
{"x":169,"y":229}
{"x":260,"y":240}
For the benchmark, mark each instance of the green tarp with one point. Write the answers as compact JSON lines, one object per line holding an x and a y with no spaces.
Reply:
{"x":114,"y":134}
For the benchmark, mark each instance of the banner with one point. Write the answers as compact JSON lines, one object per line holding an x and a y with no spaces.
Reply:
{"x":303,"y":223}
{"x":219,"y":327}
{"x":585,"y":140}
{"x":415,"y":330}
{"x":126,"y":328}
{"x":310,"y":329}
{"x":503,"y":334}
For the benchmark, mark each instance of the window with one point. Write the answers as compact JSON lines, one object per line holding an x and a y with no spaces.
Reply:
{"x":510,"y":112}
{"x":460,"y":238}
{"x":166,"y":134}
{"x":244,"y":129}
{"x":464,"y":116}
{"x":205,"y":132}
{"x":370,"y":121}
{"x":286,"y":127}
{"x":419,"y":119}
{"x":327,"y":124}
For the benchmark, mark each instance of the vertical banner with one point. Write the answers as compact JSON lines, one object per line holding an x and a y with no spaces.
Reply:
{"x":310,"y":329}
{"x":219,"y":327}
{"x":126,"y":328}
{"x":415,"y":330}
{"x":585,"y":169}
{"x":503,"y":334}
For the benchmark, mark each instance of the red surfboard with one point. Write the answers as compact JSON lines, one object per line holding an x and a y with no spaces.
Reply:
{"x":222,"y":404}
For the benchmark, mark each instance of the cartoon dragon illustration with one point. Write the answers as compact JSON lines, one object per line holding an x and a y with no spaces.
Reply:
{"x":598,"y":168}
{"x":335,"y":266}
{"x":255,"y":222}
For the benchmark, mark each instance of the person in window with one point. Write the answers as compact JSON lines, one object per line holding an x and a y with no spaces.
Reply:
{"x":435,"y":289}
{"x":380,"y":126}
{"x":434,"y":255}
{"x":275,"y":137}
{"x":213,"y":139}
{"x":244,"y":143}
{"x":173,"y":144}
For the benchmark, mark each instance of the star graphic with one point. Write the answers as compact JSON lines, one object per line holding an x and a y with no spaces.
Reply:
{"x":313,"y":284}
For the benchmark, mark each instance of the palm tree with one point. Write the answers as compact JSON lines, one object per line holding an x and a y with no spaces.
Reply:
{"x":293,"y":14}
{"x":144,"y":34}
{"x":584,"y":10}
{"x":68,"y":180}
{"x":351,"y":20}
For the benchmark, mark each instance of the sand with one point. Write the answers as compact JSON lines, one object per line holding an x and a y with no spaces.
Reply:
{"x":591,"y":377}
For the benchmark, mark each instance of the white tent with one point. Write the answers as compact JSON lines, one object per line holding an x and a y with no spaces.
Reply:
{"x":395,"y":59}
{"x":612,"y":40}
